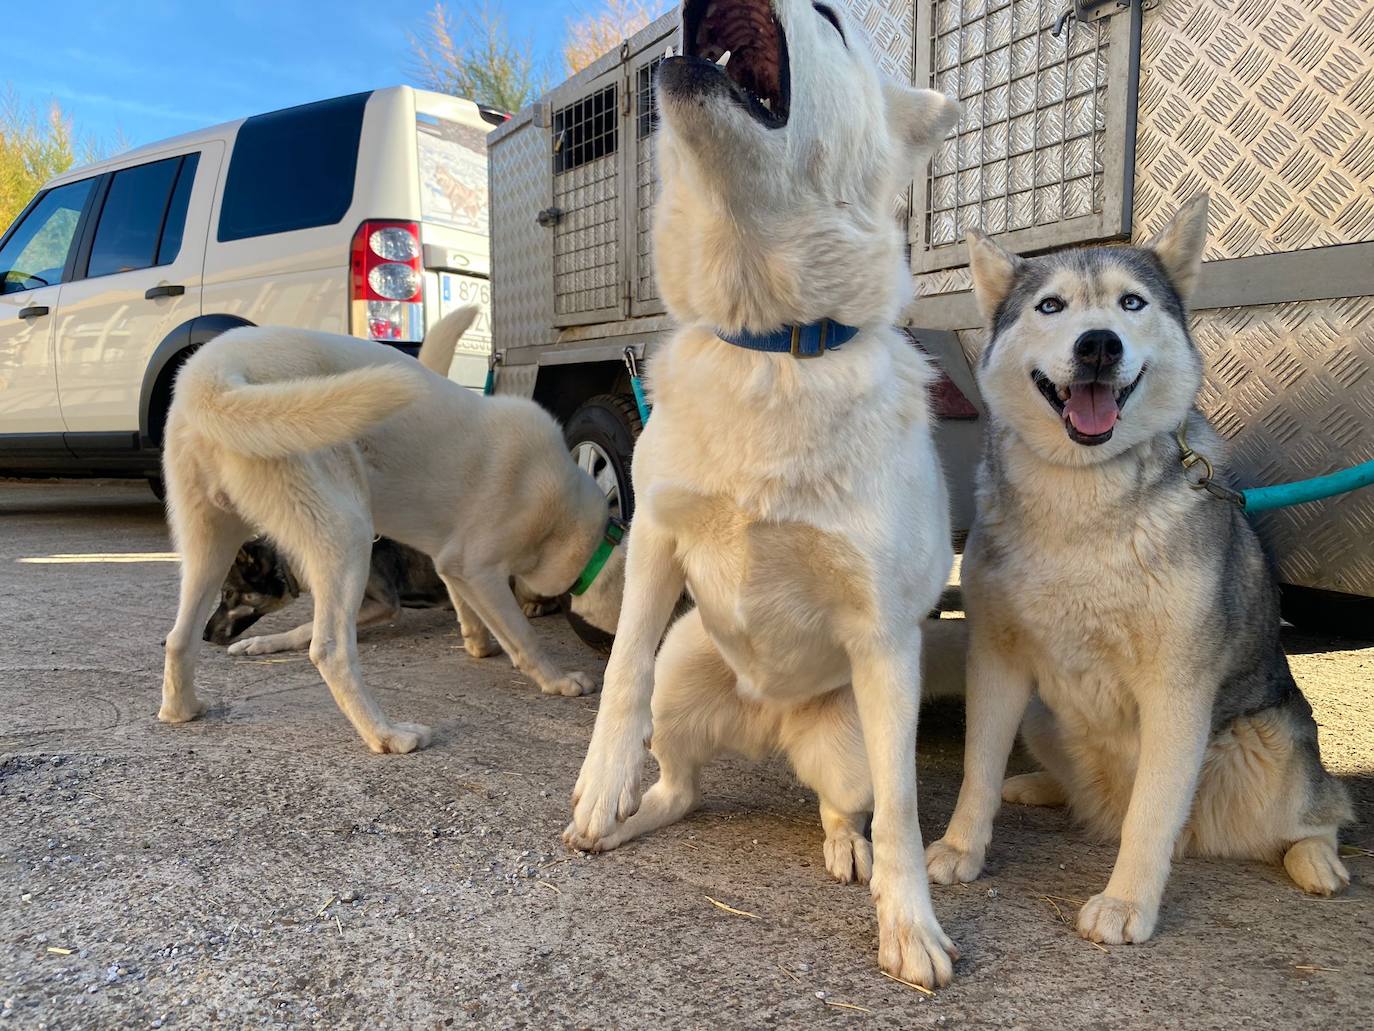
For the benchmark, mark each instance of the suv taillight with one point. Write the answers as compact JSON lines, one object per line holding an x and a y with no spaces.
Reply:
{"x":385,"y":283}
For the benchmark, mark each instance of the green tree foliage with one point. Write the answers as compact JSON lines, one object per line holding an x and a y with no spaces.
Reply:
{"x":34,"y":146}
{"x":476,"y":58}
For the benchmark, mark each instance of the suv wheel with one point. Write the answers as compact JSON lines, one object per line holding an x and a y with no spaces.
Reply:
{"x":601,"y":435}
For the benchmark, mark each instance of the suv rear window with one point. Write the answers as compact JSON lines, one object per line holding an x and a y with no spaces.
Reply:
{"x":292,"y":169}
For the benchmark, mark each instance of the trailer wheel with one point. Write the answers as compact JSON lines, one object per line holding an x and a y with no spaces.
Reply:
{"x":1328,"y":613}
{"x":601,"y":435}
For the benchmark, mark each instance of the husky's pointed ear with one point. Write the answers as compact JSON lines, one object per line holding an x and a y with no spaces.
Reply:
{"x":994,"y":271}
{"x":920,"y":118}
{"x":1179,"y":245}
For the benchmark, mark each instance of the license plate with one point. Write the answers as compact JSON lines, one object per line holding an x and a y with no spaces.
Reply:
{"x":456,"y":290}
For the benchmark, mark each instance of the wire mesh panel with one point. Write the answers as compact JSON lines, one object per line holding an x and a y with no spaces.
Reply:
{"x":646,"y":179}
{"x":586,"y":261}
{"x":1039,"y":150}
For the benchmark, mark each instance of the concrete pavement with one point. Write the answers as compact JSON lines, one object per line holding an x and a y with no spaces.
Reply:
{"x":260,"y":867}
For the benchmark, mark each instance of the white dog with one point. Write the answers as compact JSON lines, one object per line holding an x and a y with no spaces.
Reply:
{"x":801,"y":500}
{"x":322,"y":441}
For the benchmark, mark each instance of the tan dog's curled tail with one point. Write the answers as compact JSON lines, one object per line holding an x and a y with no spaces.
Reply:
{"x":436,"y":353}
{"x":273,"y":420}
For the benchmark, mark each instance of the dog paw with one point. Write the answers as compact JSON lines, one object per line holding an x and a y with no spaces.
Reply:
{"x":481,"y":647}
{"x":400,"y":738}
{"x":181,"y":711}
{"x":1113,"y":921}
{"x":849,"y":857}
{"x":571,"y":685}
{"x":607,"y":794}
{"x":255,"y":646}
{"x":1033,"y":789}
{"x":946,"y":864}
{"x":917,"y":951}
{"x":535,"y":609}
{"x":1316,"y":867}
{"x":582,"y":843}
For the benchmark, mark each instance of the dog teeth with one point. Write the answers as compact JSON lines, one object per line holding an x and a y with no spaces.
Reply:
{"x":1064,"y":393}
{"x":723,"y":59}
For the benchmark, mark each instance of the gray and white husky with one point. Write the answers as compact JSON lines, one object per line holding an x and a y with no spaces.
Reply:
{"x":1134,"y":615}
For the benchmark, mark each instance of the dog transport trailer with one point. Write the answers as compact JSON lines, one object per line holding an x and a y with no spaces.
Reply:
{"x":1083,"y":121}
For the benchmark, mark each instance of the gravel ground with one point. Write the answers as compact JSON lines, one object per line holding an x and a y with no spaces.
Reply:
{"x":260,"y":867}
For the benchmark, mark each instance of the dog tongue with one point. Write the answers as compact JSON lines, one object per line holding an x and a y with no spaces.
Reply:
{"x":1091,"y":408}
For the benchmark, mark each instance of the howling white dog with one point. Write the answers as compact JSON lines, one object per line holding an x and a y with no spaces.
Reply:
{"x":788,"y":474}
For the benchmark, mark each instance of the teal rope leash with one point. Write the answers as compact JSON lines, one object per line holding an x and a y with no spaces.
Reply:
{"x":1279,"y":495}
{"x":637,"y":385}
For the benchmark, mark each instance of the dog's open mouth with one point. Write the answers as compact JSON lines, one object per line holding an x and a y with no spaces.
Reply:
{"x":746,"y":46}
{"x":1090,"y":410}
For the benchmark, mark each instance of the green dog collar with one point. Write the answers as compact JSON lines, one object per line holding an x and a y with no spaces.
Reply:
{"x":615,"y":533}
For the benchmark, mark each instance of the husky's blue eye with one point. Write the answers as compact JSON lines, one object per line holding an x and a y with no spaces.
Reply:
{"x":1050,"y":306}
{"x":1133,"y":302}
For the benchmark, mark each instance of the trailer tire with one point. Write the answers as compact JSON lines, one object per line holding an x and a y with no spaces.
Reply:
{"x":601,"y":434}
{"x":1328,"y":613}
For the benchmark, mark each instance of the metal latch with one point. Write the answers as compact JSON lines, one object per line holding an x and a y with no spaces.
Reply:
{"x":1087,"y":11}
{"x":549,"y":217}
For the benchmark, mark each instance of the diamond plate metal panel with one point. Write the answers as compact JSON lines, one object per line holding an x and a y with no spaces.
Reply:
{"x":1292,"y":387}
{"x":889,"y":25}
{"x":521,"y":249}
{"x":1267,"y":105}
{"x":945,"y":281}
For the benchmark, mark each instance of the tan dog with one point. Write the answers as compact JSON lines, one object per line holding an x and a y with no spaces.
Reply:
{"x":322,"y":442}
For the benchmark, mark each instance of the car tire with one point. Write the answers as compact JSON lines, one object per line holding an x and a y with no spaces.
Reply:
{"x":1328,"y":613}
{"x":601,"y":435}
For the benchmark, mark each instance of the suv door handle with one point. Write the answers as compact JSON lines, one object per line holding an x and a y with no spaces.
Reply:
{"x":33,"y":311}
{"x":166,"y":290}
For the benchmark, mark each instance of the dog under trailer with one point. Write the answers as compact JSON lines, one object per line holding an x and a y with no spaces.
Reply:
{"x":1084,"y":121}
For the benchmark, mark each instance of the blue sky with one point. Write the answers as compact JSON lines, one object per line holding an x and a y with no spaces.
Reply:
{"x":142,"y":70}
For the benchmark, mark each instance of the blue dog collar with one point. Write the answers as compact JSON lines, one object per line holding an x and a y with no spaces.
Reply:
{"x":809,"y":341}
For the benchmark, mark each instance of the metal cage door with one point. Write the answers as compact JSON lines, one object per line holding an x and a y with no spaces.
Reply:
{"x":641,"y":170}
{"x":1044,"y":150}
{"x":588,"y":259}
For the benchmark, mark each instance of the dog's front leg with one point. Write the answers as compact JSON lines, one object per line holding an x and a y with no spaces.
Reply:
{"x":488,"y":592}
{"x":911,"y":945}
{"x":477,"y":639}
{"x":998,"y":691}
{"x":1175,"y":723}
{"x":608,"y":788}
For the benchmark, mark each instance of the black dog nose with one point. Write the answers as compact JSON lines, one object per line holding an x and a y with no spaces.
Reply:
{"x":1098,"y":347}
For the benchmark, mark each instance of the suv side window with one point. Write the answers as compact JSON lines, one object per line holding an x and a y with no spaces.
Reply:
{"x":144,"y":208}
{"x":35,"y":254}
{"x":292,"y":169}
{"x":175,"y":222}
